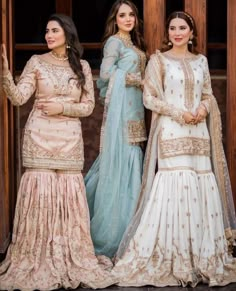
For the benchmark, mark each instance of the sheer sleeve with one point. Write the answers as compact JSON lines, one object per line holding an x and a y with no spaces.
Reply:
{"x":207,"y":94}
{"x":151,"y":95}
{"x":86,"y":105}
{"x":111,"y":54}
{"x":26,"y":86}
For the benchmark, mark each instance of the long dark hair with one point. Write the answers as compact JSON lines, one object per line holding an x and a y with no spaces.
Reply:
{"x":111,"y":27}
{"x":74,"y":48}
{"x":191,"y":23}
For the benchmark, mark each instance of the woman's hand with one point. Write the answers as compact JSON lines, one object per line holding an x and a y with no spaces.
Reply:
{"x":5,"y":66}
{"x":189,"y":118}
{"x":141,"y":86}
{"x":50,"y":108}
{"x":200,"y":114}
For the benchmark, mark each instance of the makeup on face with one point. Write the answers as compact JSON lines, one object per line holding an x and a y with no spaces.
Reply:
{"x":55,"y":37}
{"x":125,"y":18}
{"x":179,"y":32}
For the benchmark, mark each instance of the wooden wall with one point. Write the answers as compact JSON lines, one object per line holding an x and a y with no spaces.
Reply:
{"x":231,"y":93}
{"x":7,"y":190}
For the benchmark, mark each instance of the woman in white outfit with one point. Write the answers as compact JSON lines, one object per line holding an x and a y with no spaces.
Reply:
{"x":185,"y":221}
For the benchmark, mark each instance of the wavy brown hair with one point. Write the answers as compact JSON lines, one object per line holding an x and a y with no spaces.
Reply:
{"x":111,"y":27}
{"x":191,"y":23}
{"x":74,"y":48}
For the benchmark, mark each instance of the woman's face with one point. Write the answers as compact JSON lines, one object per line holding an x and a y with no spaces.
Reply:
{"x":179,"y":32}
{"x":55,"y":36}
{"x":125,"y":18}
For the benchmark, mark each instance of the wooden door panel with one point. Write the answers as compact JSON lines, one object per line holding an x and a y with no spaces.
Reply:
{"x":198,"y":9}
{"x":6,"y":135}
{"x":231,"y":94}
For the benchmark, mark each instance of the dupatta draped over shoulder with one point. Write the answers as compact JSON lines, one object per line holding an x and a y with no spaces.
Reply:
{"x":154,"y":81}
{"x":114,"y":180}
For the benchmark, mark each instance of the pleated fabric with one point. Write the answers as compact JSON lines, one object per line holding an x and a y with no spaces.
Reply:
{"x":51,"y":244}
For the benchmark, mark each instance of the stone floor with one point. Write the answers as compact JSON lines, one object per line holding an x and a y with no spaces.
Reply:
{"x":230,"y":287}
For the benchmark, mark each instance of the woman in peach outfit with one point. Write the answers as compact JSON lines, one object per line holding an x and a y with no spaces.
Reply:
{"x":51,"y":244}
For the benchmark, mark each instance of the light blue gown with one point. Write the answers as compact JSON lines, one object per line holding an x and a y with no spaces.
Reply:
{"x":114,"y":180}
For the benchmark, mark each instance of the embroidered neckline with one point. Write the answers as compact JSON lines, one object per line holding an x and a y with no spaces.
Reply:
{"x":126,"y":39}
{"x":58,"y":57}
{"x":183,"y":58}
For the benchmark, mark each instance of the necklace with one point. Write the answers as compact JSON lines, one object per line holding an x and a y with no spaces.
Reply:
{"x":125,"y":37}
{"x":181,"y":56}
{"x":59,"y":57}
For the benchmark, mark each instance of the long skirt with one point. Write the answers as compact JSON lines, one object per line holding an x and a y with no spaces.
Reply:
{"x":51,"y":245}
{"x":112,"y":193}
{"x":180,"y":239}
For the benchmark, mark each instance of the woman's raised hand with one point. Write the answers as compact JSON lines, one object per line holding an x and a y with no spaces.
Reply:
{"x":5,"y":66}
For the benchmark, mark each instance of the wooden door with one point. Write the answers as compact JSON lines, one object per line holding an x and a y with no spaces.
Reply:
{"x":7,"y":190}
{"x":231,"y":93}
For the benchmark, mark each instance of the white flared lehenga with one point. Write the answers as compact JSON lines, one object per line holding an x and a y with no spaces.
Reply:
{"x":51,"y":243}
{"x":177,"y":236}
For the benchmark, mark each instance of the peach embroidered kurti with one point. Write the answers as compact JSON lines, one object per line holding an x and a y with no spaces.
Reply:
{"x":52,"y":142}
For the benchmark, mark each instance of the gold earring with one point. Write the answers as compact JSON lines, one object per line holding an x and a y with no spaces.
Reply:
{"x":190,"y":40}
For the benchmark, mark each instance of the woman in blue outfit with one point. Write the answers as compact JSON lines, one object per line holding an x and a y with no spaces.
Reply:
{"x":113,"y":182}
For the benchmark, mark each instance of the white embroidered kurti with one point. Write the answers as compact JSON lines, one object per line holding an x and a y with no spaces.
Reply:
{"x":183,"y":85}
{"x":180,"y":235}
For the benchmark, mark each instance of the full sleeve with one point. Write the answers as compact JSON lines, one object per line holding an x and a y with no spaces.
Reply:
{"x":207,"y":94}
{"x":153,"y":94}
{"x":111,"y":55}
{"x":26,"y":86}
{"x":86,"y":105}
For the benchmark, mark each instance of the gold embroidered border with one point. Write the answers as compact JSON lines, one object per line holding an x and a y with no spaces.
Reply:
{"x":35,"y":156}
{"x":47,"y":163}
{"x":72,"y":172}
{"x":136,"y":131}
{"x":189,"y":87}
{"x":105,"y":112}
{"x":185,"y":169}
{"x":184,"y":146}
